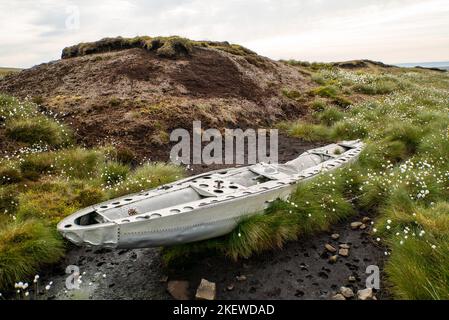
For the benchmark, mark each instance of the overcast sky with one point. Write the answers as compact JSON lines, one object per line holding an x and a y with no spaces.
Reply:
{"x":393,"y":31}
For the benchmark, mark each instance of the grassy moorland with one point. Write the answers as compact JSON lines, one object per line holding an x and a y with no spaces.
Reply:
{"x":50,"y":177}
{"x":402,"y":176}
{"x":6,"y":71}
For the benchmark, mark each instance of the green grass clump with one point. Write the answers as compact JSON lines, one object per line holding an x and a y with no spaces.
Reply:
{"x":48,"y":201}
{"x":38,"y":131}
{"x":328,"y":91}
{"x":33,"y":166}
{"x":114,"y":172}
{"x":329,"y":115}
{"x":291,"y":94}
{"x":8,"y":200}
{"x":9,"y":175}
{"x":377,"y":87}
{"x":24,"y":248}
{"x":309,"y":131}
{"x":79,"y":163}
{"x":145,"y":177}
{"x":418,"y":236}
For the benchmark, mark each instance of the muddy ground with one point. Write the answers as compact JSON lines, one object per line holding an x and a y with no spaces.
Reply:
{"x":301,"y":270}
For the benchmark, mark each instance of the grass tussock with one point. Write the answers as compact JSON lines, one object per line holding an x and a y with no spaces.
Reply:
{"x":24,"y":248}
{"x":166,"y":47}
{"x":40,"y":186}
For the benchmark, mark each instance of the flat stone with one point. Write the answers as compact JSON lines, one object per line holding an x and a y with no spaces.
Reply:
{"x":352,"y":279}
{"x":335,"y":236}
{"x":230,"y":287}
{"x":206,"y":290}
{"x":330,"y":248}
{"x":179,"y":290}
{"x":347,"y":292}
{"x":338,"y":296}
{"x":363,"y":226}
{"x":333,"y":259}
{"x":356,"y":225}
{"x":344,"y":246}
{"x":365,"y":294}
{"x":343,"y":252}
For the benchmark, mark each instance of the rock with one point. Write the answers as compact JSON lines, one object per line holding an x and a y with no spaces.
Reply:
{"x":362,"y":227}
{"x":206,"y":290}
{"x":230,"y":287}
{"x":330,"y":248}
{"x":335,"y":236}
{"x":344,"y":246}
{"x":366,"y":219}
{"x":356,"y":225}
{"x":365,"y":294}
{"x":241,"y":278}
{"x":338,"y":296}
{"x":343,"y":252}
{"x":179,"y":290}
{"x":333,"y":259}
{"x":352,"y":279}
{"x":347,"y":292}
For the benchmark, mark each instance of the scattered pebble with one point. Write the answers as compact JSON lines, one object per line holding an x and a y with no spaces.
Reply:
{"x":330,"y":248}
{"x":356,"y":225}
{"x":347,"y":292}
{"x":365,"y":294}
{"x":230,"y":287}
{"x":338,"y":296}
{"x":241,"y":278}
{"x":366,"y":219}
{"x":335,"y":236}
{"x":179,"y":290}
{"x":343,"y":252}
{"x":206,"y":290}
{"x":333,"y":258}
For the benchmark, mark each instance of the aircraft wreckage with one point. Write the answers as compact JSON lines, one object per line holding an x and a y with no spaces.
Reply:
{"x":201,"y":207}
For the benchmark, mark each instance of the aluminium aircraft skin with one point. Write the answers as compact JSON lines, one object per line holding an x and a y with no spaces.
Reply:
{"x":201,"y":207}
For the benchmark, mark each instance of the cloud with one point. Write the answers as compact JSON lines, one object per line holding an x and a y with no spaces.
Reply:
{"x":318,"y":30}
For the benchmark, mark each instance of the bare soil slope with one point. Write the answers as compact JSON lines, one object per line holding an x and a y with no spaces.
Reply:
{"x":135,"y":96}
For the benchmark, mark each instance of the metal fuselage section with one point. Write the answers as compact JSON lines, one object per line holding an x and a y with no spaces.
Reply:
{"x":205,"y":206}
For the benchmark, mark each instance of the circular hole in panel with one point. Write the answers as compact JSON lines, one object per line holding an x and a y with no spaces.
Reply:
{"x":203,"y":185}
{"x":188,"y":208}
{"x":175,"y":210}
{"x":128,"y":199}
{"x":126,"y":220}
{"x":207,"y":177}
{"x":218,"y":191}
{"x":155,"y":215}
{"x":233,"y":187}
{"x":67,"y":226}
{"x":116,"y":203}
